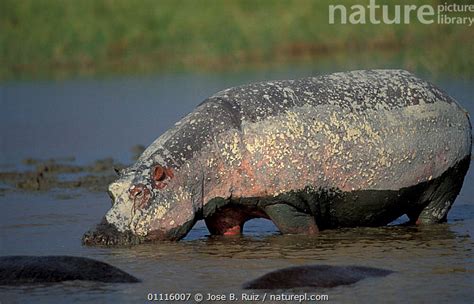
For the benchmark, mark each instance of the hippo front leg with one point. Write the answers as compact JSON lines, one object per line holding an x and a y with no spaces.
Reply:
{"x":230,"y":219}
{"x":290,"y":220}
{"x":227,"y":221}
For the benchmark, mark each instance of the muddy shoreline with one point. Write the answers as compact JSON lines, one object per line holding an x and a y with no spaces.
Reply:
{"x":63,"y":173}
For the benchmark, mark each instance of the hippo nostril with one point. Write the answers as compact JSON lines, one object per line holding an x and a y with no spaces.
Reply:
{"x":117,"y":189}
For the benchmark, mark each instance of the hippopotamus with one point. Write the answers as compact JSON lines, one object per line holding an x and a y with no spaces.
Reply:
{"x":20,"y":270}
{"x":315,"y":276}
{"x":358,"y":148}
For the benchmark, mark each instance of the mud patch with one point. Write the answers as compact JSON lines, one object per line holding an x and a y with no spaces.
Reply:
{"x":44,"y":175}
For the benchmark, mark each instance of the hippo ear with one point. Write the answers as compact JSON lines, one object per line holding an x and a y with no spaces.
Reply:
{"x":159,"y":173}
{"x":169,"y":172}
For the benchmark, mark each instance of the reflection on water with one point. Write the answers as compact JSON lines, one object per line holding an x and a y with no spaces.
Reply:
{"x":432,"y":263}
{"x":94,"y":119}
{"x":331,"y":244}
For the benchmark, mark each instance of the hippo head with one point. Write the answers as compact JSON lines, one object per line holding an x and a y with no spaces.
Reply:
{"x":150,"y":202}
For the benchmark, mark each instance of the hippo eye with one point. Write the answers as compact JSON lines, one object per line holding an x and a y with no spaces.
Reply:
{"x":140,"y":195}
{"x":136,"y":191}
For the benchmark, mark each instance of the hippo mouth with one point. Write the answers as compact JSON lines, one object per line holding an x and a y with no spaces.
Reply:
{"x":106,"y":234}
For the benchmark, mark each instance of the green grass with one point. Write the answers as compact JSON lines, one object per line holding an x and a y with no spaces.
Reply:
{"x":61,"y":38}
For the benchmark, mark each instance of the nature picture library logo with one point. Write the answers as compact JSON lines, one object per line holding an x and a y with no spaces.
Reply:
{"x":374,"y":13}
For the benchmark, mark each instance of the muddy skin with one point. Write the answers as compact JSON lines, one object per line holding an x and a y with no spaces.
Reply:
{"x":315,"y":276}
{"x":347,"y":149}
{"x":21,"y":270}
{"x":335,"y":209}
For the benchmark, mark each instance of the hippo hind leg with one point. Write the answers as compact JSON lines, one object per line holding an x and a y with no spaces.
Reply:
{"x":290,"y":220}
{"x":435,"y":209}
{"x":439,"y":196}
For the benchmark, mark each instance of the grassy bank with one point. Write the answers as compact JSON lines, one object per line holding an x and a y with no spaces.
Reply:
{"x":57,"y":38}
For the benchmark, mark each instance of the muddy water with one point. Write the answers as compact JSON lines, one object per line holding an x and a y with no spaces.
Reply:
{"x":104,"y":118}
